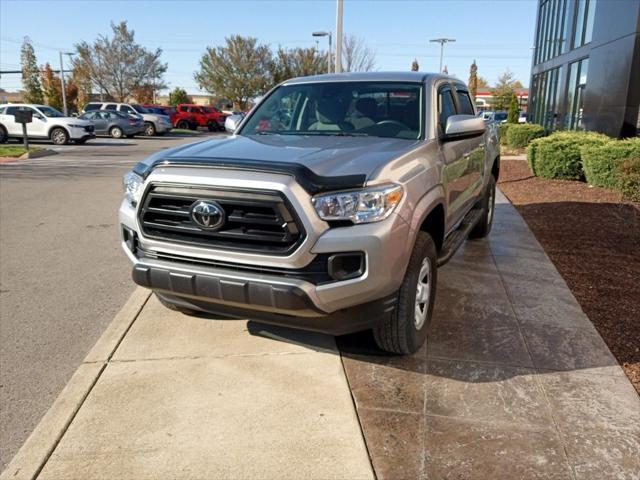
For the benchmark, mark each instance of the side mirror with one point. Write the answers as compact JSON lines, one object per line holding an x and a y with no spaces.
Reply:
{"x":463,"y":126}
{"x":232,"y":122}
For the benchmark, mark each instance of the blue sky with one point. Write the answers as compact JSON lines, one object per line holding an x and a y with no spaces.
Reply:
{"x":497,"y":33}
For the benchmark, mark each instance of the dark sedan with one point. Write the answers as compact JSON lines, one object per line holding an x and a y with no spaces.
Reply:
{"x":114,"y":124}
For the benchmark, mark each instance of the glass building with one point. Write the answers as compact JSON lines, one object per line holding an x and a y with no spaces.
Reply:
{"x":586,"y":66}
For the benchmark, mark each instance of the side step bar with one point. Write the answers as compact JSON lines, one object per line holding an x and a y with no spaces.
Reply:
{"x":459,"y":235}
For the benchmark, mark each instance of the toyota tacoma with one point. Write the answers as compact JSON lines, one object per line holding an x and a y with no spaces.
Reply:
{"x":329,"y":208}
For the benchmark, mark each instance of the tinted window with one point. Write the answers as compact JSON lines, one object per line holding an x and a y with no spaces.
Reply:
{"x":126,"y":109}
{"x":12,"y":110}
{"x":111,"y":106}
{"x":2,"y":110}
{"x":446,"y":107}
{"x":464,"y":103}
{"x":50,"y":112}
{"x":139,"y":109}
{"x":92,"y":106}
{"x":183,"y":109}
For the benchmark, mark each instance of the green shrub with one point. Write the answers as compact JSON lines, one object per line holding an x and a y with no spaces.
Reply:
{"x":629,"y":174}
{"x":503,"y":129}
{"x":601,"y":162}
{"x":519,"y":136}
{"x":558,"y":155}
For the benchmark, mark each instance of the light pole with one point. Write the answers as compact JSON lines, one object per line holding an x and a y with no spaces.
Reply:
{"x":325,"y":34}
{"x":442,"y":41}
{"x":339,"y":36}
{"x":64,"y":93}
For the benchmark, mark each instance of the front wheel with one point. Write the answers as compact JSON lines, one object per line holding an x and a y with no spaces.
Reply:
{"x":212,"y":126}
{"x":405,"y":331}
{"x":149,"y":129}
{"x":487,"y":204}
{"x":59,"y":136}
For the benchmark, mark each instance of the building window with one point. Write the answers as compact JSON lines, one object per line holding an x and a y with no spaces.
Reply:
{"x":554,"y":22}
{"x":545,"y":96}
{"x":583,"y":22}
{"x":575,"y":93}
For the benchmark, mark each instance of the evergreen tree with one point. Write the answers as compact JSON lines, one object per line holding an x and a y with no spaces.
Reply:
{"x":473,"y":79}
{"x":51,"y":87}
{"x":514,"y":110}
{"x":178,"y":95}
{"x":414,"y":66}
{"x":30,"y":74}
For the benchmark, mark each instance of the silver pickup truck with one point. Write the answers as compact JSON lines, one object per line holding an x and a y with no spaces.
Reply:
{"x":330,"y":208}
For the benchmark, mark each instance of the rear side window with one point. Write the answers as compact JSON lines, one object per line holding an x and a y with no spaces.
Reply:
{"x":183,"y":109}
{"x":127,"y":109}
{"x":464,"y":103}
{"x":446,"y":107}
{"x":2,"y":110}
{"x":12,"y":110}
{"x":89,"y":107}
{"x":111,"y":106}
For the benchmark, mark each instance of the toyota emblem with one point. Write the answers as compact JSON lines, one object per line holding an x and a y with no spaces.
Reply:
{"x":207,"y":215}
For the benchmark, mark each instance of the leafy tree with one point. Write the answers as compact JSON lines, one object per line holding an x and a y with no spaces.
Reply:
{"x":143,"y":93}
{"x":297,"y":62}
{"x":356,"y":56}
{"x":178,"y":95}
{"x":482,"y":82}
{"x":30,"y":74}
{"x":81,"y":79}
{"x":414,"y":66}
{"x":51,"y":87}
{"x":504,"y":90}
{"x":118,"y":65}
{"x":239,"y":70}
{"x":473,"y":79}
{"x":514,"y":110}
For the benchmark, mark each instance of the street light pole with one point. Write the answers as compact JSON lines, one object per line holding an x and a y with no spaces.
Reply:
{"x":64,"y":92}
{"x":339,"y":36}
{"x":325,"y":34}
{"x":442,"y":41}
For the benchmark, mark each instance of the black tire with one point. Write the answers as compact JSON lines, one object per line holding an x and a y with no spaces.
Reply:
{"x":81,"y":141}
{"x":483,"y":227}
{"x":149,"y":129}
{"x":183,"y":125}
{"x":131,"y":135}
{"x":4,"y":138}
{"x":402,"y":333}
{"x":212,"y":126}
{"x":59,"y":136}
{"x":194,"y":127}
{"x":175,"y":308}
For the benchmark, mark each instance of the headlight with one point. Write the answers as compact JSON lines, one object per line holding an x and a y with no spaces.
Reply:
{"x":360,"y":206}
{"x":132,"y":183}
{"x":75,"y":125}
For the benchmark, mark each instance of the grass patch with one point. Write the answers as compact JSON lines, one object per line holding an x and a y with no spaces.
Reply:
{"x":185,"y":131}
{"x":14,"y":151}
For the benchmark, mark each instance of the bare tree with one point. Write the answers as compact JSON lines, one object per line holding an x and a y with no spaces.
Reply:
{"x":356,"y":56}
{"x":118,"y":66}
{"x":296,"y":62}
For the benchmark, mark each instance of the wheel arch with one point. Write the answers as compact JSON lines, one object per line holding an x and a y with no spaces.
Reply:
{"x":53,"y":127}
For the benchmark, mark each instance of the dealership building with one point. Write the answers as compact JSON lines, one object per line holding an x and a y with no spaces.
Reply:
{"x":586,"y":66}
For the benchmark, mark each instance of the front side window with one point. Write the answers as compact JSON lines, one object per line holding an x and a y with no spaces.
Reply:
{"x":446,"y":107}
{"x":464,"y":102}
{"x":376,"y":109}
{"x":139,"y":109}
{"x":50,"y":112}
{"x":111,"y":106}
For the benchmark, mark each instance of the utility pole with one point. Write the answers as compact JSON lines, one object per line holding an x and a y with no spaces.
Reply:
{"x":64,"y":90}
{"x":339,"y":36}
{"x":324,"y":34}
{"x":442,"y":41}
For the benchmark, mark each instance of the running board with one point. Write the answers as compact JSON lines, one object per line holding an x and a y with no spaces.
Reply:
{"x":459,"y":235}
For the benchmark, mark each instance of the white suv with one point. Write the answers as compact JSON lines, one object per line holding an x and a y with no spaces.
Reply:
{"x":154,"y":124}
{"x":47,"y":122}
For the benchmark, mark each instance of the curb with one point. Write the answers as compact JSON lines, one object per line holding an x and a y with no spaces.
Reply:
{"x":37,"y":154}
{"x":33,"y":455}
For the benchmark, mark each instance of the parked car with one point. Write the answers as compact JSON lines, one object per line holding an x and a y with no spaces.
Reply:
{"x":316,"y":223}
{"x":47,"y":123}
{"x":155,"y":124}
{"x":498,"y":117}
{"x":182,"y":120}
{"x":522,"y":118}
{"x":114,"y":124}
{"x":209,"y":117}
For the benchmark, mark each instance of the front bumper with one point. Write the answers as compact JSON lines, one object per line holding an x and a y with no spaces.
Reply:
{"x":81,"y":133}
{"x":163,"y":127}
{"x":335,"y":307}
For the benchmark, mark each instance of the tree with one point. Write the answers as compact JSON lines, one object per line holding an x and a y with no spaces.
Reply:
{"x":239,"y":70}
{"x":30,"y":74}
{"x":51,"y":87}
{"x":356,"y":56}
{"x":473,"y":79}
{"x":414,"y":65}
{"x":81,"y":79}
{"x":503,"y":91}
{"x":143,"y":93}
{"x":514,"y":110}
{"x":482,"y":82}
{"x":297,"y":62}
{"x":118,"y":65}
{"x":178,"y":95}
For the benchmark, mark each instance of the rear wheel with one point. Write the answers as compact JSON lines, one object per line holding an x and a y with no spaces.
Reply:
{"x":116,"y":132}
{"x":149,"y":129}
{"x":59,"y":136}
{"x":3,"y":135}
{"x":406,"y":330}
{"x":212,"y":126}
{"x":483,"y":227}
{"x":183,"y":125}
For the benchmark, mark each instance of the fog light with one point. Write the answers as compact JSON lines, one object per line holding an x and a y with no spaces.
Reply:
{"x":343,"y":266}
{"x":130,"y":238}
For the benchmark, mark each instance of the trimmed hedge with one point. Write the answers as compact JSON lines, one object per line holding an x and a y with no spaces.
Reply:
{"x":629,"y":174}
{"x":558,"y":155}
{"x":519,"y":136}
{"x":503,"y":130}
{"x":601,"y":163}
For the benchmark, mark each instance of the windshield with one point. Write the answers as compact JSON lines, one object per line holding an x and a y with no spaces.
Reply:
{"x":140,"y":109}
{"x":50,"y":112}
{"x":377,"y":109}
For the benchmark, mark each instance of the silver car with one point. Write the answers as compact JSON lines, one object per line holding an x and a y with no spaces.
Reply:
{"x":115,"y":124}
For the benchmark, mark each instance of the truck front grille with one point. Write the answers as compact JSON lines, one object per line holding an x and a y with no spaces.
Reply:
{"x":255,"y":220}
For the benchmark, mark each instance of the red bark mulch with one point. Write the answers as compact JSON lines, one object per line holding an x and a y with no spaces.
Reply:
{"x":592,"y":235}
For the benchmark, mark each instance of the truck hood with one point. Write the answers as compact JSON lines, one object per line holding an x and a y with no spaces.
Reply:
{"x":328,"y":155}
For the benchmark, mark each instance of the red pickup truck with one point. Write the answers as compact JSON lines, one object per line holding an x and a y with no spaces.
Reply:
{"x":206,"y":116}
{"x":183,"y":120}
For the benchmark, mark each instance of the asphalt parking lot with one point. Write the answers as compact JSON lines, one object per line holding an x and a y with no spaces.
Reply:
{"x":63,"y":276}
